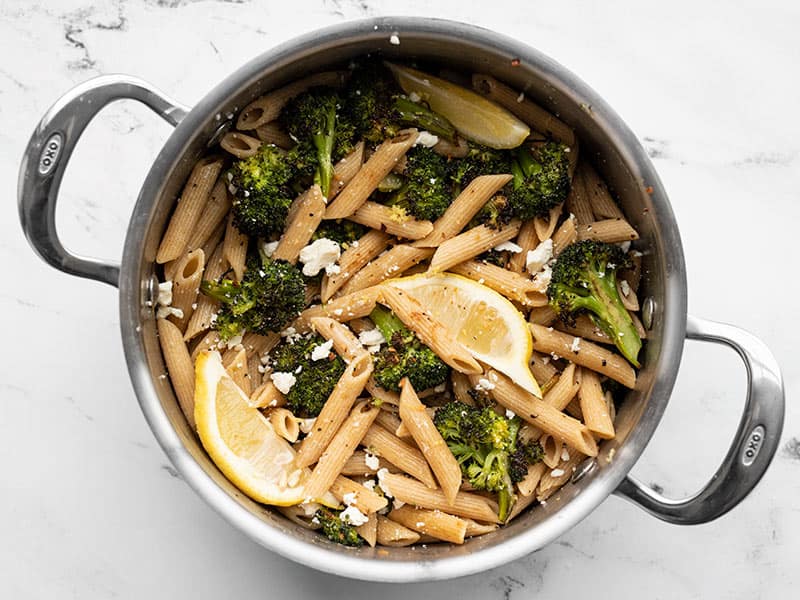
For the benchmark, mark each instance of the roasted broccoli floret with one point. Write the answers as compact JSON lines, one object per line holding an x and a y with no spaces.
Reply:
{"x":585,"y":279}
{"x":260,"y":187}
{"x":404,"y":356}
{"x":496,"y":213}
{"x":485,"y":445}
{"x":314,"y":379}
{"x":270,"y":296}
{"x":337,"y":530}
{"x":423,"y":118}
{"x":425,"y":192}
{"x":480,"y":160}
{"x":341,"y":231}
{"x":541,"y":179}
{"x":310,"y":118}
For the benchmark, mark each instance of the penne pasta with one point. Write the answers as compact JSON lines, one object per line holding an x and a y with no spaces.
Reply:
{"x":273,"y":133}
{"x":529,"y":483}
{"x":609,"y":230}
{"x":469,"y":244}
{"x":527,"y":240}
{"x":239,"y":144}
{"x":353,"y":259}
{"x":344,"y":308}
{"x":359,"y":464}
{"x":391,"y":220}
{"x":545,"y":226}
{"x":364,"y":499}
{"x":305,"y":215}
{"x":186,"y":285}
{"x":234,"y":249}
{"x":344,"y":342}
{"x":577,"y":201}
{"x":285,"y":424}
{"x":266,"y":396}
{"x":390,"y":533}
{"x":369,"y":530}
{"x":403,"y":456}
{"x":603,"y":205}
{"x":213,"y":215}
{"x":514,"y":286}
{"x":566,"y":234}
{"x":236,"y":367}
{"x":593,"y":405}
{"x":346,"y":169}
{"x":564,"y":389}
{"x":552,"y":481}
{"x":388,"y":265}
{"x":179,"y":366}
{"x":434,"y":523}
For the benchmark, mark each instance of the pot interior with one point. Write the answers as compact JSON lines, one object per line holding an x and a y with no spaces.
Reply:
{"x":604,"y":140}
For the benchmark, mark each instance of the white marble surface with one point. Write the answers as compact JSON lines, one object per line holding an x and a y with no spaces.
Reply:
{"x":90,"y":507}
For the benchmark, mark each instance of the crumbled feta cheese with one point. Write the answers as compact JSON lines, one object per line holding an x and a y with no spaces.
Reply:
{"x":510,"y":414}
{"x":332,"y":269}
{"x":167,"y":311}
{"x":319,"y":255}
{"x":564,"y":453}
{"x":414,"y":97}
{"x":576,"y":345}
{"x":283,"y":381}
{"x":349,"y":498}
{"x":382,"y":473}
{"x":397,"y":503}
{"x":440,"y":388}
{"x":538,"y":258}
{"x":338,"y":312}
{"x":288,"y":332}
{"x":371,"y":461}
{"x":394,"y":39}
{"x":353,"y":516}
{"x":509,"y":247}
{"x":521,"y":97}
{"x":371,"y":337}
{"x":164,"y":294}
{"x":322,"y":351}
{"x":306,"y":425}
{"x":625,"y":287}
{"x":557,"y":472}
{"x":374,"y":349}
{"x":369,"y":484}
{"x":427,"y":139}
{"x":542,"y":279}
{"x":484,"y":385}
{"x":625,"y":246}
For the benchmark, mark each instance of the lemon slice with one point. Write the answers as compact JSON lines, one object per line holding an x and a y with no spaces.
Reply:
{"x":241,"y":441}
{"x":475,"y":117}
{"x":482,"y":320}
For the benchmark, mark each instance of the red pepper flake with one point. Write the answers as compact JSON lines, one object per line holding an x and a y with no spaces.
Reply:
{"x":515,"y":62}
{"x":649,"y":189}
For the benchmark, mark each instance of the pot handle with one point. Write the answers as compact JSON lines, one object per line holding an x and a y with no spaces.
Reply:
{"x":49,"y":151}
{"x":753,"y":447}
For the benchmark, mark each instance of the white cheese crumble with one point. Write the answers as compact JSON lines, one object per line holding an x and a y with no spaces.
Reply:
{"x":371,"y":461}
{"x":576,"y":345}
{"x":322,"y":351}
{"x":349,"y":498}
{"x":557,"y":472}
{"x":283,"y":381}
{"x":319,"y":255}
{"x":369,"y":484}
{"x":542,"y":279}
{"x":564,"y":453}
{"x":538,"y":258}
{"x":382,"y":473}
{"x":625,"y":287}
{"x":427,"y":139}
{"x":510,"y":414}
{"x":306,"y":425}
{"x":353,"y":516}
{"x":484,"y":385}
{"x":333,"y":269}
{"x":165,"y":311}
{"x":371,"y":337}
{"x":510,"y":247}
{"x":268,"y":248}
{"x":414,"y":97}
{"x":164,"y":294}
{"x":394,"y":39}
{"x":625,"y":246}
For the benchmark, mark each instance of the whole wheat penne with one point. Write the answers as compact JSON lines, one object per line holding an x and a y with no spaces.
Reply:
{"x":346,"y":169}
{"x":335,"y":411}
{"x":414,"y":493}
{"x":210,"y":341}
{"x":461,"y":386}
{"x":364,"y":499}
{"x":186,"y":285}
{"x":393,"y":534}
{"x":214,"y":240}
{"x":528,"y":111}
{"x":340,"y":448}
{"x":285,"y":424}
{"x":237,"y":369}
{"x":553,"y":480}
{"x":586,"y":355}
{"x":513,"y":286}
{"x":405,"y":457}
{"x":273,"y":133}
{"x":359,"y":465}
{"x":435,"y":523}
{"x":584,"y":328}
{"x":459,"y":149}
{"x":234,"y":249}
{"x":564,"y":390}
{"x":179,"y":366}
{"x":464,"y":207}
{"x":542,"y":315}
{"x":392,"y":220}
{"x":203,"y":314}
{"x":239,"y":144}
{"x":378,"y":166}
{"x":344,"y":342}
{"x":527,"y":240}
{"x":545,"y":226}
{"x":577,"y":201}
{"x":469,"y":244}
{"x":369,"y":530}
{"x":430,"y":441}
{"x":593,"y":405}
{"x":544,"y":416}
{"x":388,"y":417}
{"x":520,"y":505}
{"x":213,"y":215}
{"x":344,"y":308}
{"x":266,"y":108}
{"x":388,"y":265}
{"x":429,"y":330}
{"x":301,"y":226}
{"x":353,"y":259}
{"x":266,"y":396}
{"x":190,"y":207}
{"x":542,"y":368}
{"x":552,"y":450}
{"x":603,"y":204}
{"x":609,"y":230}
{"x":385,"y":396}
{"x":627,"y":295}
{"x":566,"y":234}
{"x":528,"y":485}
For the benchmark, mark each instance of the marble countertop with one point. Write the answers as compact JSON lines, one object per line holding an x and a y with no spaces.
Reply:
{"x":89,"y":505}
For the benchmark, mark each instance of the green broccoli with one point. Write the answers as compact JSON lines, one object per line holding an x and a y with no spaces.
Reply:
{"x":425,"y":192}
{"x":314,"y":379}
{"x":335,"y":529}
{"x":485,"y":445}
{"x":541,"y":179}
{"x":496,"y":213}
{"x":404,"y":356}
{"x":423,"y":118}
{"x":480,"y":160}
{"x":342,"y":231}
{"x":585,"y":279}
{"x":261,"y":191}
{"x":270,"y":296}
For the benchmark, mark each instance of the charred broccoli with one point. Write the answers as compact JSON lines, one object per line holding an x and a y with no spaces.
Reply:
{"x":485,"y":445}
{"x":541,"y":179}
{"x":335,"y":529}
{"x":270,"y":296}
{"x":425,"y":191}
{"x":480,"y":160}
{"x":404,"y":356}
{"x":496,"y":213}
{"x":341,"y":231}
{"x":314,"y":379}
{"x":260,"y":186}
{"x":585,"y":279}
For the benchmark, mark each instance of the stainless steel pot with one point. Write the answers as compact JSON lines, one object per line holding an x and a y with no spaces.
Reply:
{"x":605,"y":139}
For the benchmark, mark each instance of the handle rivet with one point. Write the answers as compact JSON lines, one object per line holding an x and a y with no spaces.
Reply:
{"x":218,"y":133}
{"x":149,"y":293}
{"x":583,"y":469}
{"x":648,"y":312}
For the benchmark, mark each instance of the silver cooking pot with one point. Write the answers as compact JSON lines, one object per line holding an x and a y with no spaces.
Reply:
{"x":605,"y":140}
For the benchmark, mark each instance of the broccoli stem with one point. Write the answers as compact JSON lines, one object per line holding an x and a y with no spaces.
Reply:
{"x":323,"y":142}
{"x":504,"y":503}
{"x":386,"y":322}
{"x":424,"y":118}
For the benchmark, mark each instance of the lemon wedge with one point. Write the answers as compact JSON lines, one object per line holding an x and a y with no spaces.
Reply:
{"x":482,"y":320}
{"x":475,"y":117}
{"x":241,"y":441}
